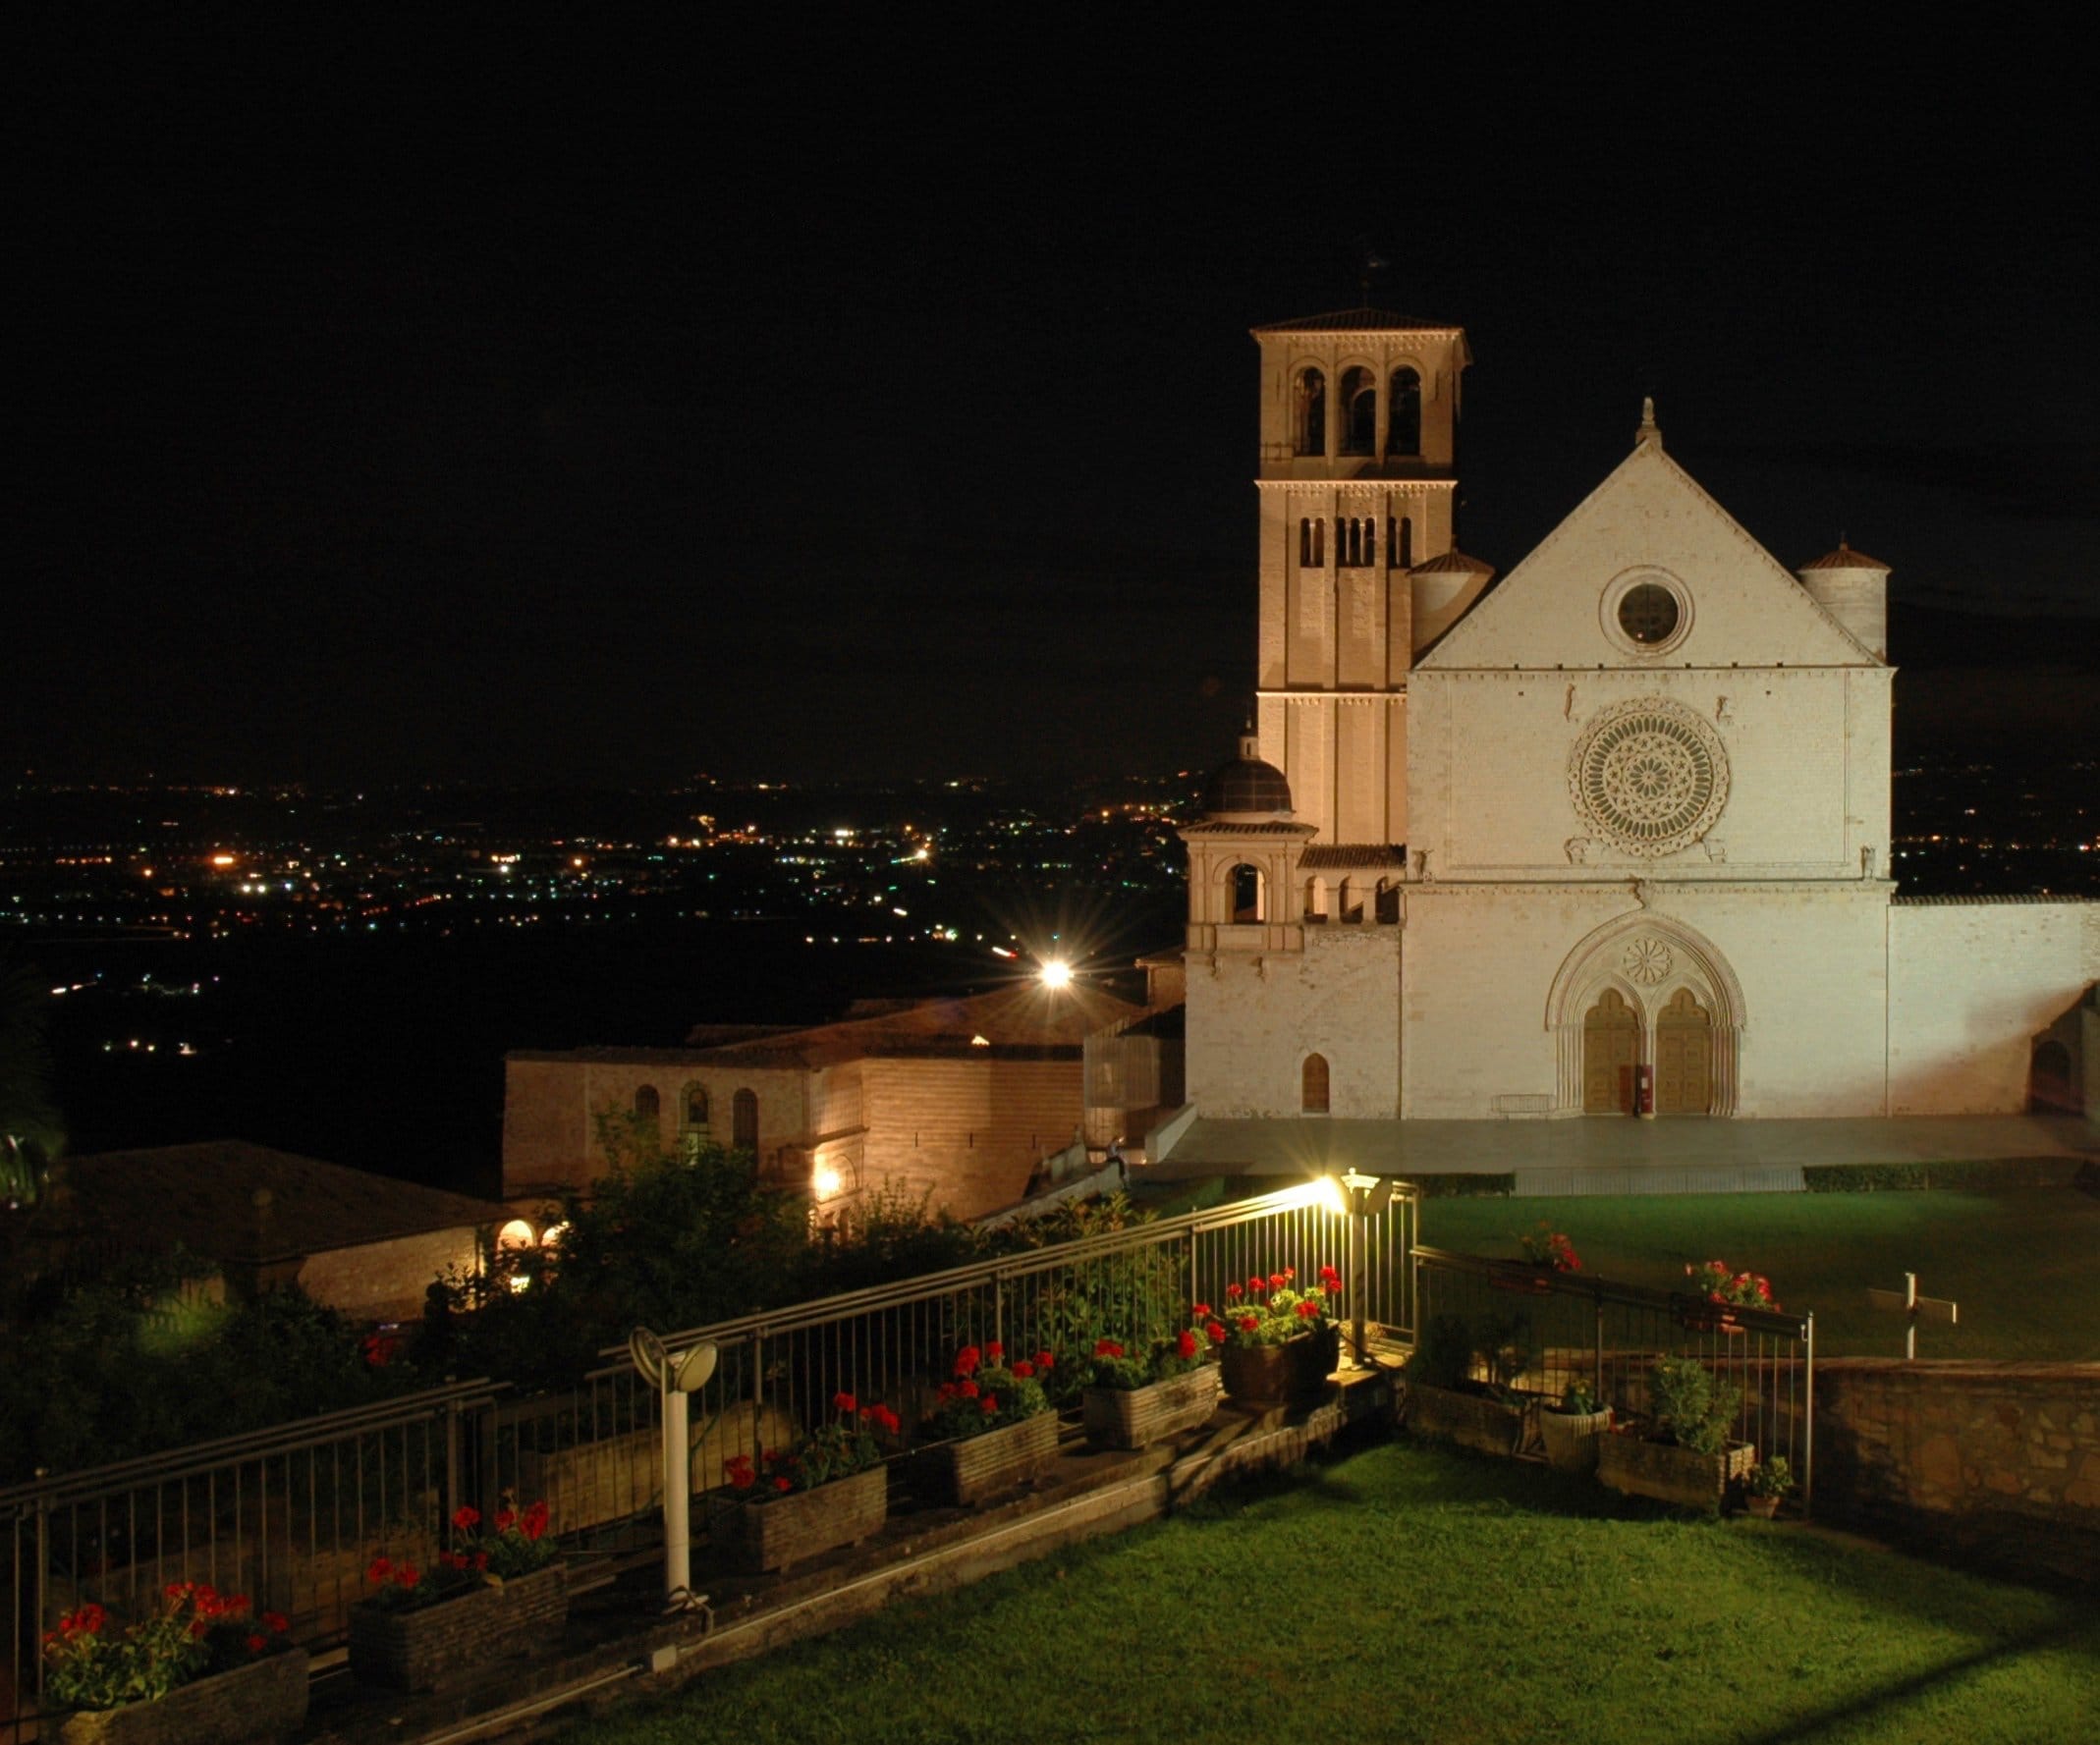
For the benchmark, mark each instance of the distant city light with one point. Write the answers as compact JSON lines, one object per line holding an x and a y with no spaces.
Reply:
{"x":222,"y":860}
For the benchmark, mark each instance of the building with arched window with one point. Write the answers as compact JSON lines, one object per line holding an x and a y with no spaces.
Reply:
{"x":1610,"y":836}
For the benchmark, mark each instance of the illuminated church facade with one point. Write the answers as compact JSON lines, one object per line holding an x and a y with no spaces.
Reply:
{"x":1610,"y":837}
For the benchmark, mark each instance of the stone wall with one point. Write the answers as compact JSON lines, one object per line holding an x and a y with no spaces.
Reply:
{"x":1997,"y":1461}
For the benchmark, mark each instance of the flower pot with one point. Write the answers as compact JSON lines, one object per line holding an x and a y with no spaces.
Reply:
{"x":1571,"y":1438}
{"x":771,"y":1532}
{"x":1138,"y":1417}
{"x":981,"y":1466}
{"x":261,"y":1702}
{"x":411,"y":1650}
{"x":1294,"y":1373}
{"x":1472,"y":1420}
{"x":1763,"y":1507}
{"x":1671,"y":1474}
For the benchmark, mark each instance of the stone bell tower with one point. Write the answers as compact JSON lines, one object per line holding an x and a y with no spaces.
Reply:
{"x":1360,"y":413}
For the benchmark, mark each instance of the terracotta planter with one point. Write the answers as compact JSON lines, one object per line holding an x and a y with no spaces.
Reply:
{"x":1571,"y":1438}
{"x":1472,"y":1420}
{"x":1001,"y":1459}
{"x":1671,"y":1474}
{"x":780,"y":1531}
{"x":254,"y":1705}
{"x":1138,"y":1417}
{"x":1294,"y":1373}
{"x":1763,"y":1507}
{"x":413,"y":1650}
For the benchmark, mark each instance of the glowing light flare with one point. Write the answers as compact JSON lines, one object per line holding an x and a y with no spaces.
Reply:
{"x":825,"y":1181}
{"x":224,"y":860}
{"x":1056,"y":973}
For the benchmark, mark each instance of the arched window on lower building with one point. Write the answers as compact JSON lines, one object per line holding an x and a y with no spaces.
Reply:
{"x":1315,"y":899}
{"x":1312,"y":1085}
{"x":744,"y":1122}
{"x":648,"y":1107}
{"x":1247,"y":893}
{"x":696,"y":1110}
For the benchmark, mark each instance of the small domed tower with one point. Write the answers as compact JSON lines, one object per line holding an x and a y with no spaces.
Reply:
{"x":1242,"y":858}
{"x":1853,"y":588}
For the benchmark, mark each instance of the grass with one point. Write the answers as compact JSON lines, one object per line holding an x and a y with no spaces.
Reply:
{"x":1409,"y":1593}
{"x":2019,"y":1261}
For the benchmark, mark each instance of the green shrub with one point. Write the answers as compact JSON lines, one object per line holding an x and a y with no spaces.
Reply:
{"x":1692,"y":1407}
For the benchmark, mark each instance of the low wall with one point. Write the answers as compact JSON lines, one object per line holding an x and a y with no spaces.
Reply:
{"x":1999,"y":1462}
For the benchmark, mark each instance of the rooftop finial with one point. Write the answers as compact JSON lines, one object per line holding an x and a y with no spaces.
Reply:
{"x":1650,"y":431}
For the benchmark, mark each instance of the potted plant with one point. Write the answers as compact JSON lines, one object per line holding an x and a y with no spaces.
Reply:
{"x":1767,"y":1486}
{"x":1571,"y":1429}
{"x":1550,"y":1249}
{"x":1717,"y":1290}
{"x":1281,"y":1343}
{"x":199,"y":1669}
{"x":1684,"y":1452}
{"x":1133,"y":1401}
{"x":492,"y":1594}
{"x":830,"y":1489}
{"x":1460,"y":1382}
{"x":993,"y":1423}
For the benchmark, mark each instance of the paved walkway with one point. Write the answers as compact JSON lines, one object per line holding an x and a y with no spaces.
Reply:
{"x":1615,"y":1156}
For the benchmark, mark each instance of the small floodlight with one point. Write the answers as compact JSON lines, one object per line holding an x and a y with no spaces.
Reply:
{"x":1056,"y":973}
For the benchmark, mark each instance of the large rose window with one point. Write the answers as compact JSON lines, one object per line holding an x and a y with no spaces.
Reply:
{"x":1649,"y":777}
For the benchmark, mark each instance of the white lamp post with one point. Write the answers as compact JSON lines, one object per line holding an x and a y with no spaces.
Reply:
{"x":675,"y":1377}
{"x":1368,"y":1195}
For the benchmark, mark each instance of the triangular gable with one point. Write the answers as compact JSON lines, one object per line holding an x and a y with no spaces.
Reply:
{"x":1649,"y":514}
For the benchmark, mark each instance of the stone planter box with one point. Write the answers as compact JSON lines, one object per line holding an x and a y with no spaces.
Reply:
{"x":252,"y":1705}
{"x":1138,"y":1417}
{"x":1671,"y":1474}
{"x":1472,"y":1420}
{"x":1294,"y":1373}
{"x":413,"y":1650}
{"x":781,"y":1531}
{"x":1572,"y":1438}
{"x":967,"y":1472}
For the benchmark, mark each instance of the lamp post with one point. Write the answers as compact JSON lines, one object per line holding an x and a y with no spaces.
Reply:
{"x":1368,"y":1195}
{"x":675,"y":1377}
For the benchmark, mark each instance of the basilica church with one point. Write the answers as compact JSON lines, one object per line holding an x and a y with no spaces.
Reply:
{"x":1609,"y":836}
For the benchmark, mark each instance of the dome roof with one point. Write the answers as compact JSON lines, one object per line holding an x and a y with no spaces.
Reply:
{"x":1247,"y":786}
{"x":1843,"y":558}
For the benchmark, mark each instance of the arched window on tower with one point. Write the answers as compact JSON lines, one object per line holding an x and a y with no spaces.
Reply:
{"x":1305,"y":542}
{"x":1349,"y":542}
{"x":1310,"y":395}
{"x":1399,"y":542}
{"x":1246,"y":892}
{"x":1312,"y":1085}
{"x":1320,"y":542}
{"x":1360,"y":413}
{"x":648,"y":1107}
{"x":743,"y":1120}
{"x":1404,"y":416}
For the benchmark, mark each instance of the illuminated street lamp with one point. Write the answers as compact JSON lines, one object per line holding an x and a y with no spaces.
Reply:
{"x":1056,"y":973}
{"x":675,"y":1375}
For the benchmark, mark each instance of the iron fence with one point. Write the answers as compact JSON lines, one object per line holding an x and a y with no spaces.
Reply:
{"x":293,"y":1516}
{"x":1534,"y":1332}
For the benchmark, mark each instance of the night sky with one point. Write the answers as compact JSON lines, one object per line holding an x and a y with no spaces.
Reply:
{"x":466,"y":404}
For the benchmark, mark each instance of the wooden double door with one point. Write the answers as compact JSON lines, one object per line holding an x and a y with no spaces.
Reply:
{"x":1612,"y":1038}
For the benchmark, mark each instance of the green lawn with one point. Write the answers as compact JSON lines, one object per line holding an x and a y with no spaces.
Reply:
{"x":2019,"y":1261}
{"x":1406,"y":1592}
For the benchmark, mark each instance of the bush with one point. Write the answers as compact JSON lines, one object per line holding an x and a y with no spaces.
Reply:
{"x":1692,"y":1407}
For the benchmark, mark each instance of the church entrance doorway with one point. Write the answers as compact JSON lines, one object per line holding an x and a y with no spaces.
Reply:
{"x":1684,"y":1057}
{"x":1610,"y":1046}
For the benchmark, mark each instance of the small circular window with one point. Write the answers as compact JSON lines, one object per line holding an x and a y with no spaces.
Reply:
{"x":1648,"y":613}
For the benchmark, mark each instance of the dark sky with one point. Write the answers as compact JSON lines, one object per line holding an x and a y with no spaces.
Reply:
{"x":448,"y":401}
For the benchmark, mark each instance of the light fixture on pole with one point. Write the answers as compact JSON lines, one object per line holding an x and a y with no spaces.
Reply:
{"x":1368,"y":1195}
{"x":673,"y":1376}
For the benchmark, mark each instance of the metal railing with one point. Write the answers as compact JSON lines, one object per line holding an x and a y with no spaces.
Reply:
{"x":293,"y":1516}
{"x":1542,"y":1330}
{"x":289,"y":1516}
{"x":592,"y":1451}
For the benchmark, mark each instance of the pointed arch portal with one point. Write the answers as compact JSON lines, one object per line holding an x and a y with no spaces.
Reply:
{"x":1645,"y":989}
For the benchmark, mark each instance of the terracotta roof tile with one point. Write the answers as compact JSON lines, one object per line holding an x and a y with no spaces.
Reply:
{"x":1357,"y":321}
{"x":1844,"y":558}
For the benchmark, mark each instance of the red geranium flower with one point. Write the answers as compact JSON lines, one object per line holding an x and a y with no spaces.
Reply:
{"x":1046,"y":1360}
{"x":381,"y":1569}
{"x":506,"y":1519}
{"x":738,"y":1472}
{"x":995,"y":1351}
{"x":276,"y":1622}
{"x":990,"y":1403}
{"x":1308,"y":1308}
{"x":1200,"y":1312}
{"x":1216,"y":1333}
{"x":966,"y":1361}
{"x":844,"y":1402}
{"x":406,"y":1575}
{"x":1023,"y":1368}
{"x":1248,"y":1323}
{"x":1277,"y":1281}
{"x":467,"y":1518}
{"x":1107,"y":1348}
{"x":535,"y":1522}
{"x":1234,"y":1292}
{"x":257,"y":1643}
{"x":1185,"y":1345}
{"x":968,"y":1390}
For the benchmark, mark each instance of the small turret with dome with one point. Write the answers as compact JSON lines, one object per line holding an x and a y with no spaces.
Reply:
{"x":1853,"y":588}
{"x":1247,"y":790}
